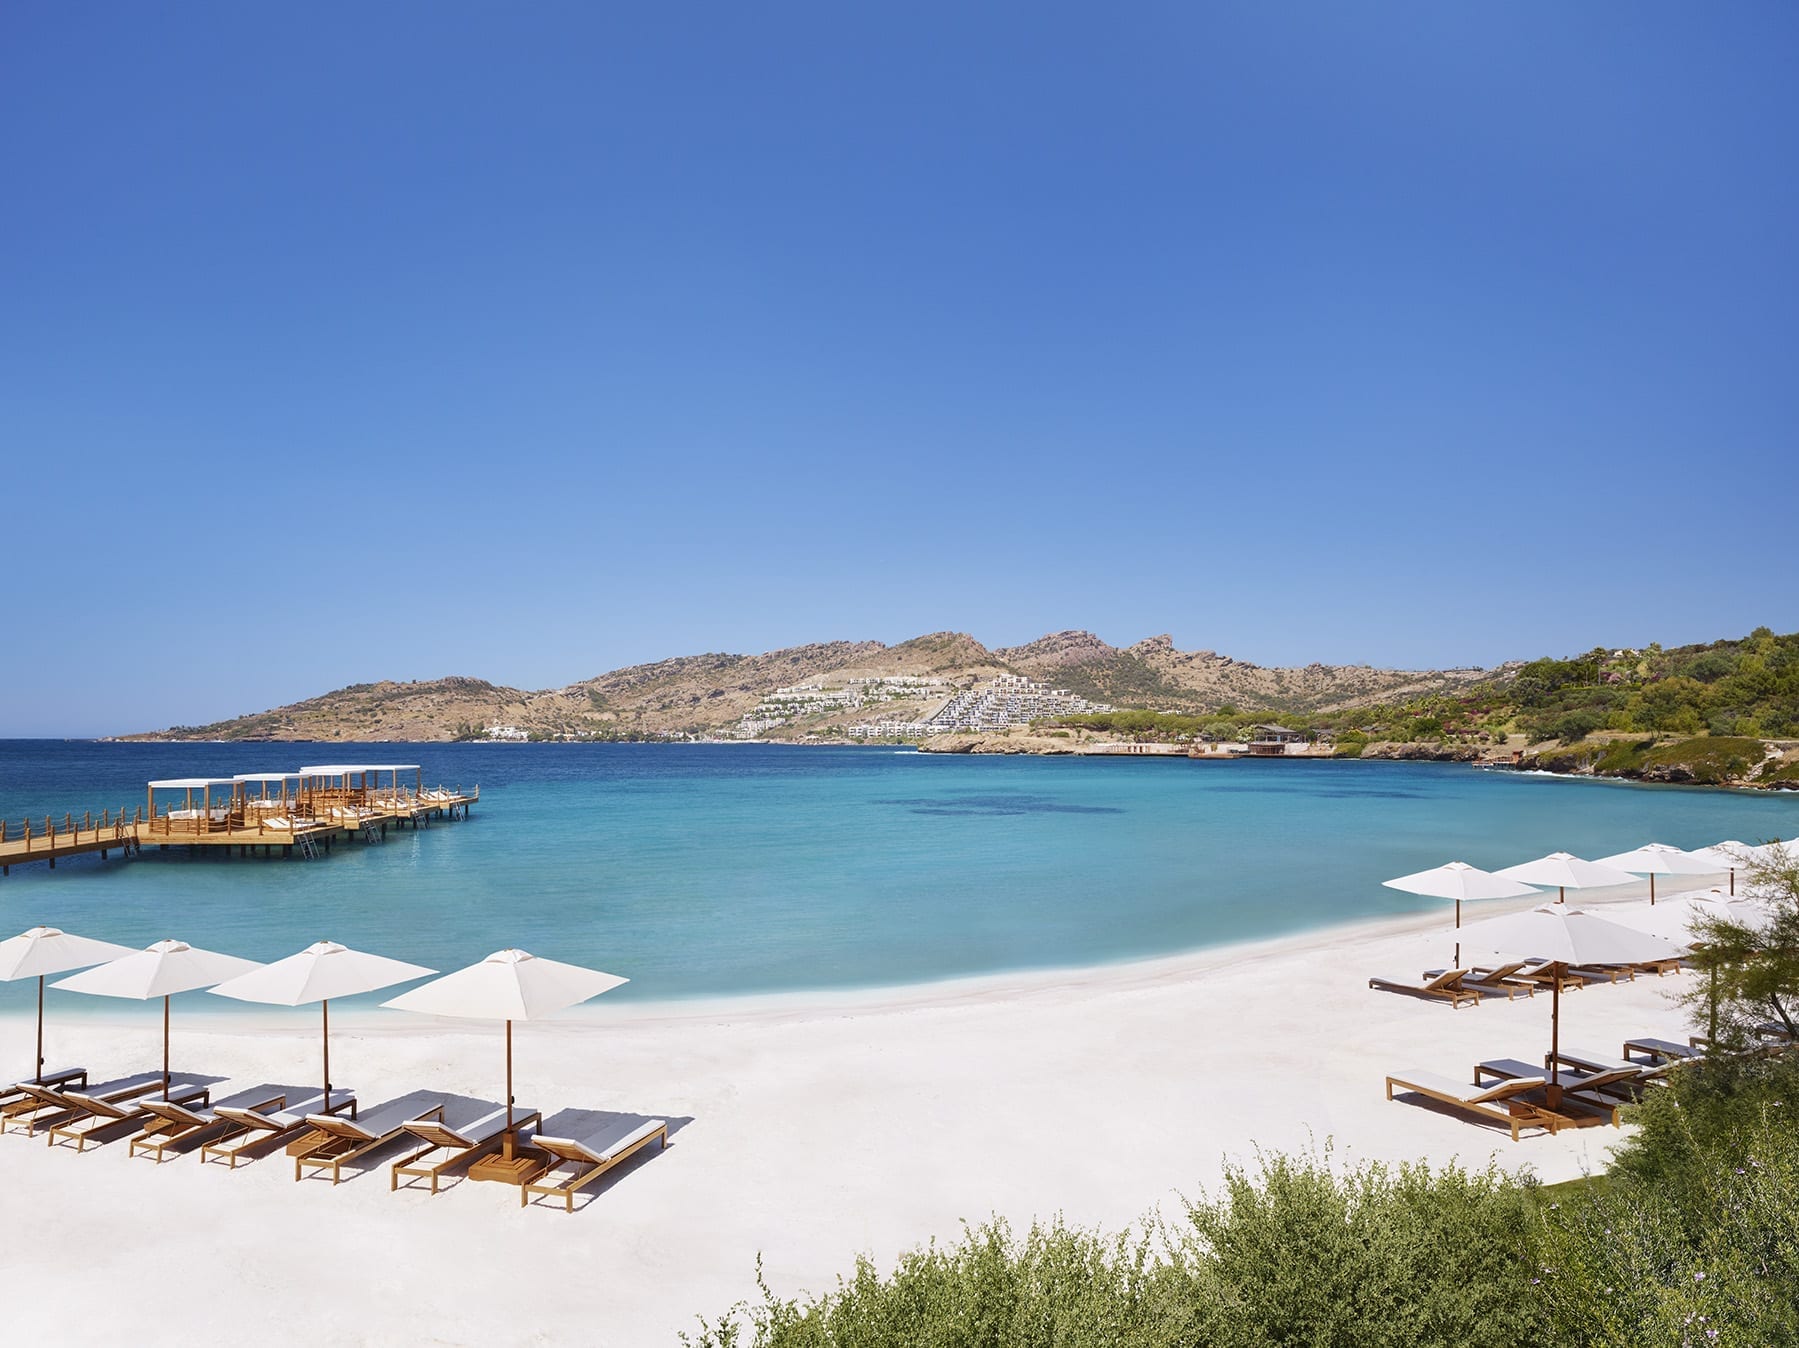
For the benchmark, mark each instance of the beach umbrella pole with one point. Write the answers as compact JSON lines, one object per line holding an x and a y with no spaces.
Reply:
{"x":1652,"y":889}
{"x":165,"y":1048}
{"x":509,"y":1137}
{"x":325,"y":1041}
{"x":38,"y":1071}
{"x":1555,"y":1040}
{"x":1458,"y":932}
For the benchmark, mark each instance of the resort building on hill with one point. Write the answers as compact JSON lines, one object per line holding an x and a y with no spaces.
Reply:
{"x":786,"y":705}
{"x":1008,"y":700}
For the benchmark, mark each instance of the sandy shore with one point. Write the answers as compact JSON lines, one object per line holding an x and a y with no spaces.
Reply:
{"x":806,"y":1128}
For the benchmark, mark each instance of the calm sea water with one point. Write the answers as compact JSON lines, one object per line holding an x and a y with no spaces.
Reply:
{"x":704,"y":870}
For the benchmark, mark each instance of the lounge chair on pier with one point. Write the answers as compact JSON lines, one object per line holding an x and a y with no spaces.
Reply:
{"x":589,"y":1157}
{"x":38,"y":1107}
{"x":1447,"y":986}
{"x":252,"y":1132}
{"x":99,"y":1115}
{"x":331,"y":1140}
{"x":453,"y":1139}
{"x":1502,"y":1102}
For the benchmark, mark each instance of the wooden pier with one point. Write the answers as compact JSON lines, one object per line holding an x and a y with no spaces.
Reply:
{"x":314,"y":809}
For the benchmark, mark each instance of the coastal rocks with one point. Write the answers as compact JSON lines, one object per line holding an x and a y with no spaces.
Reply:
{"x":1429,"y":751}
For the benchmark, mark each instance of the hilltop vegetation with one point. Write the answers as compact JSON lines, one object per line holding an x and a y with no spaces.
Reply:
{"x":1702,"y":713}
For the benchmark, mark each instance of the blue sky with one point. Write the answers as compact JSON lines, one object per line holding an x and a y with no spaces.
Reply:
{"x":341,"y":342}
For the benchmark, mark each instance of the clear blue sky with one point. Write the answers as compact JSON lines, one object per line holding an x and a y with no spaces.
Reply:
{"x":341,"y":342}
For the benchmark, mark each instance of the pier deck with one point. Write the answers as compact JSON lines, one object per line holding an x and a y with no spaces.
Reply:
{"x":129,"y":831}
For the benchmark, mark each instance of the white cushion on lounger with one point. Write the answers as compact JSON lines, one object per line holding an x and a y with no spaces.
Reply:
{"x":602,"y":1146}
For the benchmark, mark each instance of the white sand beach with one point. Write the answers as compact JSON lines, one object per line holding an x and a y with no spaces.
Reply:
{"x":804,"y":1128}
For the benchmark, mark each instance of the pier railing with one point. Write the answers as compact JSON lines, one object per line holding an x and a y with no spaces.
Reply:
{"x":51,"y":833}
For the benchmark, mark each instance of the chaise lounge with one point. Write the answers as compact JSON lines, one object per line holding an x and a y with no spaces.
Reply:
{"x":1447,"y":986}
{"x":1502,"y":1102}
{"x":589,"y":1157}
{"x":331,"y":1140}
{"x":252,"y":1132}
{"x":453,"y":1140}
{"x":43,"y":1106}
{"x":99,"y":1115}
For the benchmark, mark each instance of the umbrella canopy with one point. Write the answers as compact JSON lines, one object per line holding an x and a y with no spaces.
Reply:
{"x":1653,"y":859}
{"x":1565,"y":936}
{"x":508,"y":985}
{"x":319,"y":973}
{"x":162,"y":970}
{"x":42,"y":951}
{"x":1776,"y":853}
{"x":1566,"y":871}
{"x":1459,"y":881}
{"x":1673,"y":918}
{"x":1729,"y":855}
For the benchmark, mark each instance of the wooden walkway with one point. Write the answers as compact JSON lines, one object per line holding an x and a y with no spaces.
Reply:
{"x":129,"y":832}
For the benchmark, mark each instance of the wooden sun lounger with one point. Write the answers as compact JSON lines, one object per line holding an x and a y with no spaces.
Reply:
{"x":252,"y":1132}
{"x":1662,"y":1050}
{"x":589,"y":1158}
{"x":45,"y":1106}
{"x":174,"y":1125}
{"x":332,"y":1140}
{"x":1445,"y":987}
{"x":1503,"y":1102}
{"x":1502,"y":981}
{"x":460,"y":1144}
{"x":100,"y":1115}
{"x":1590,"y":1093}
{"x":56,"y":1076}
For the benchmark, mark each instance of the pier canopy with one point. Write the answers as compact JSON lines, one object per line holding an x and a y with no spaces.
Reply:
{"x":271,"y":790}
{"x":204,"y":809}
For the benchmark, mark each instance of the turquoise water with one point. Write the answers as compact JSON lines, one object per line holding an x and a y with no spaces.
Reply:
{"x":704,"y":870}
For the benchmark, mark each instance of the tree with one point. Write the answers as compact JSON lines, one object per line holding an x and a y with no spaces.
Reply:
{"x":1752,"y":971}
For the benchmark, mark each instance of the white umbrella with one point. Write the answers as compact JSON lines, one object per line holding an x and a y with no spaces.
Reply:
{"x":1776,"y":853}
{"x":1566,"y":871}
{"x":1673,"y":918}
{"x":42,"y":951}
{"x":508,"y":985}
{"x":319,"y":973}
{"x":1653,"y":859}
{"x":1729,"y":855}
{"x":1564,"y":936}
{"x":1464,"y":883}
{"x":162,"y":970}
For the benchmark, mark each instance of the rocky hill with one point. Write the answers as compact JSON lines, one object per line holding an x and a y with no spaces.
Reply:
{"x":699,"y":694}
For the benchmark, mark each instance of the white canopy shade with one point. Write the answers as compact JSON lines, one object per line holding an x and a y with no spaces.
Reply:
{"x":265,"y":777}
{"x":189,"y":783}
{"x":162,"y":970}
{"x":46,"y":950}
{"x":319,"y":973}
{"x":1462,"y":882}
{"x":507,"y":985}
{"x":322,"y":972}
{"x":1673,"y":918}
{"x":1776,"y":853}
{"x":1653,"y":859}
{"x":1566,"y":871}
{"x":1459,"y":881}
{"x":1566,"y":936}
{"x":338,"y":770}
{"x":1661,"y":859}
{"x":393,"y":767}
{"x":1553,"y":931}
{"x":1729,"y":855}
{"x":42,"y":951}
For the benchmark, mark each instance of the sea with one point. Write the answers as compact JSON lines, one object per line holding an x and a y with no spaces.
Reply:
{"x":731,"y":870}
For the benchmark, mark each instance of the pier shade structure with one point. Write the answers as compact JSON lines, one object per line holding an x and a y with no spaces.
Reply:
{"x":298,"y":813}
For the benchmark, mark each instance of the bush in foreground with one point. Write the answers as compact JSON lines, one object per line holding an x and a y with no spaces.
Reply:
{"x":1291,"y":1254}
